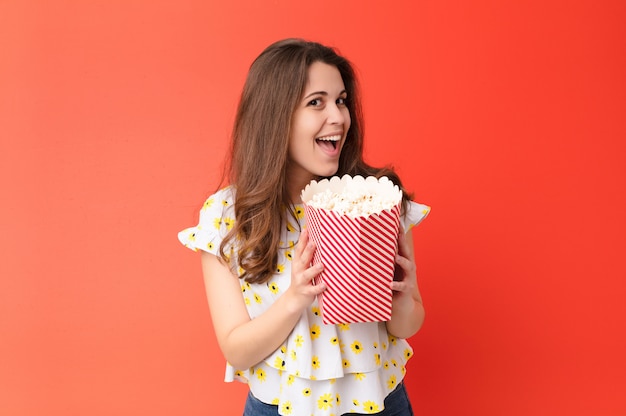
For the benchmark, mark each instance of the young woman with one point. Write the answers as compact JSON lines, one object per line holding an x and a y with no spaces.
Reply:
{"x":299,"y":119}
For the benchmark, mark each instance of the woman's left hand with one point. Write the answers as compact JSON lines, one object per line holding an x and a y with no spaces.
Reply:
{"x":407,"y":313}
{"x":405,"y":276}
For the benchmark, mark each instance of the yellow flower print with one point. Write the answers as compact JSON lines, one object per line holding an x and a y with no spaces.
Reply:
{"x":192,"y":237}
{"x":239,"y":373}
{"x":370,"y":407}
{"x":359,"y":376}
{"x":342,"y":346}
{"x":315,"y":310}
{"x":225,"y":202}
{"x":377,"y":359}
{"x":293,"y":355}
{"x":346,"y":363}
{"x":280,"y":268}
{"x":210,"y":246}
{"x":376,"y":345}
{"x":391,"y":383}
{"x":355,"y":402}
{"x":408,"y":353}
{"x":386,"y":365}
{"x":312,"y":378}
{"x":289,"y":252}
{"x":394,"y":363}
{"x":315,"y":331}
{"x":257,"y":298}
{"x":283,"y":348}
{"x":392,"y":340}
{"x":338,"y":399}
{"x":286,"y":408}
{"x":240,"y":272}
{"x":334,"y":341}
{"x":299,"y":211}
{"x":290,"y":379}
{"x":260,"y":374}
{"x":208,"y":203}
{"x":384,"y":346}
{"x":306,"y":392}
{"x":403,"y":369}
{"x":217,"y":223}
{"x":279,"y":363}
{"x":425,"y":210}
{"x":273,"y":287}
{"x":290,"y":228}
{"x":228,"y":222}
{"x":315,"y":362}
{"x":325,"y":401}
{"x":299,"y":340}
{"x":344,"y":327}
{"x":247,"y":300}
{"x":356,"y":347}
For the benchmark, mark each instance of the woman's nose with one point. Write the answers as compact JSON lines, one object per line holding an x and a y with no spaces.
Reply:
{"x":336,"y":114}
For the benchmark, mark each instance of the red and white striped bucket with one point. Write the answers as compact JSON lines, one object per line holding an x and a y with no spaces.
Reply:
{"x":358,"y":254}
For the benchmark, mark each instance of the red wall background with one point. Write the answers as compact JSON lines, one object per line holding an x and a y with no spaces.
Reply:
{"x":507,"y":117}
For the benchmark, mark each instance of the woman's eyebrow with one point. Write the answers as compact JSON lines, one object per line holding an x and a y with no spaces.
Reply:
{"x":316,"y":93}
{"x":324,"y":93}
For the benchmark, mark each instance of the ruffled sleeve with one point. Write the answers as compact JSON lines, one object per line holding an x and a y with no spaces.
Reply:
{"x":414,"y":214}
{"x":216,"y":220}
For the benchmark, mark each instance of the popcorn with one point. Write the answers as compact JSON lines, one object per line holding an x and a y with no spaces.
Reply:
{"x":354,"y":222}
{"x":352,"y":196}
{"x":352,"y":203}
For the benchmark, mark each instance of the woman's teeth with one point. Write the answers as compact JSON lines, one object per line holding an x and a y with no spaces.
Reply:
{"x":330,"y":138}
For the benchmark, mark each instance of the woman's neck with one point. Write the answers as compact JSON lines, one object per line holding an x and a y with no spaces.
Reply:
{"x":295,"y":185}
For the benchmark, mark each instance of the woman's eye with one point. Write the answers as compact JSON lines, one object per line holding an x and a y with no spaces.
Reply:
{"x":342,"y":101}
{"x":315,"y":103}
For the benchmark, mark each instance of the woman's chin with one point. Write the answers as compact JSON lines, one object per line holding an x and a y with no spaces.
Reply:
{"x":327,"y":172}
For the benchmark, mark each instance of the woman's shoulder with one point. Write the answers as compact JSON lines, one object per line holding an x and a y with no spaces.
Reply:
{"x":219,"y":200}
{"x":216,"y":220}
{"x":219,"y":204}
{"x":414,"y":214}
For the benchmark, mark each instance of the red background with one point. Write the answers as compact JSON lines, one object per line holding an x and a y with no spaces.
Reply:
{"x":506,"y":117}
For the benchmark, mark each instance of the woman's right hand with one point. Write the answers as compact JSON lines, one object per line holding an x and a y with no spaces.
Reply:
{"x":302,"y":291}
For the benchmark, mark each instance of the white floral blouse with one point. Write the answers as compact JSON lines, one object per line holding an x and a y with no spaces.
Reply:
{"x":320,"y":369}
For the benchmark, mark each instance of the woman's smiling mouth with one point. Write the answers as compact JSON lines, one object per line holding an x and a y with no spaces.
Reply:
{"x":328,"y":143}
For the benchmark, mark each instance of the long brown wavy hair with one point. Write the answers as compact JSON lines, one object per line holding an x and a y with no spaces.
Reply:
{"x":258,"y":159}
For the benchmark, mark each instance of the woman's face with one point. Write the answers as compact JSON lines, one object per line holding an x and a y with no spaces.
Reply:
{"x":319,"y":126}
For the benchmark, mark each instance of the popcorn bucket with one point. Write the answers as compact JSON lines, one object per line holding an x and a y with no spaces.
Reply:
{"x":357,"y":242}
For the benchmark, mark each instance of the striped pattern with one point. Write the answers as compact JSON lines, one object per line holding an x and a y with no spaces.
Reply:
{"x":359,"y":257}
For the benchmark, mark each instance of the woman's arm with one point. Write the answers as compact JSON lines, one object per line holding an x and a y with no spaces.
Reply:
{"x":244,"y":341}
{"x":407,"y":312}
